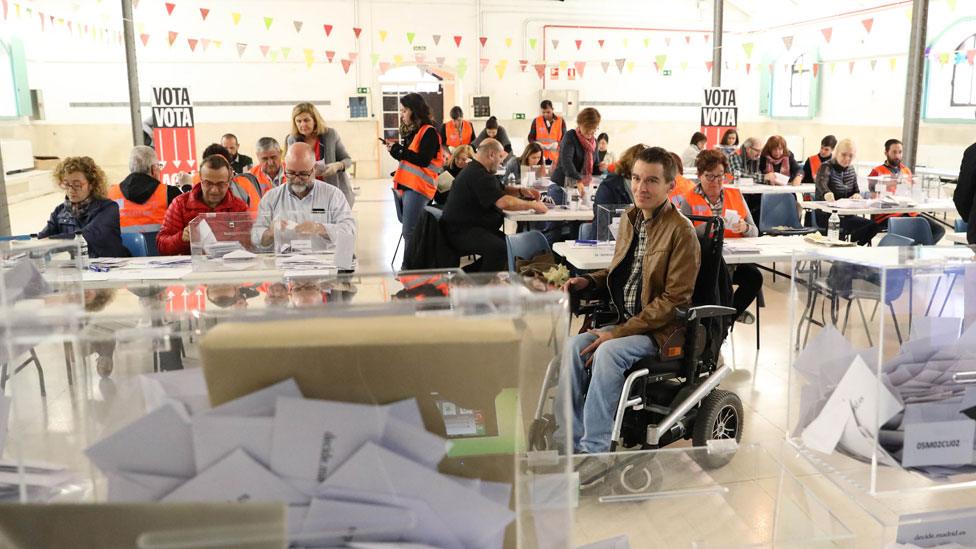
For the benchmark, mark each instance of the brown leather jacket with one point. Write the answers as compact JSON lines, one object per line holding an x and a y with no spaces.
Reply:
{"x":669,"y":273}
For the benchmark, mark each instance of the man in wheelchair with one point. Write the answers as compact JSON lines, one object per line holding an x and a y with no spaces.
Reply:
{"x":653,"y":272}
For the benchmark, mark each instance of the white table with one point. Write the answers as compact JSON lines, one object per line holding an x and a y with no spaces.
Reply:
{"x":937,"y":205}
{"x":956,"y":238}
{"x":943,"y":173}
{"x":512,"y":219}
{"x":804,"y":188}
{"x":138,"y":270}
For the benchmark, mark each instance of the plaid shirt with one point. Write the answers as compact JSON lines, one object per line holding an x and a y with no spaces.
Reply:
{"x":632,"y":288}
{"x":741,"y":166}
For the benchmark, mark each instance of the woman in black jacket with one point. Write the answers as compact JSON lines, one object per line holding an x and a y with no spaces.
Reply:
{"x":578,"y":159}
{"x":410,"y":181}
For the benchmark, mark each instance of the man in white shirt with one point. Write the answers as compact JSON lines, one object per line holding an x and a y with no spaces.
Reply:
{"x":305,"y":209}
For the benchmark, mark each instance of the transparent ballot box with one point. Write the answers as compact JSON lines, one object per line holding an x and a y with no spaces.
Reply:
{"x":606,"y":224}
{"x":222,"y":241}
{"x":883,"y":376}
{"x":307,"y":410}
{"x":305,"y":233}
{"x":905,"y":188}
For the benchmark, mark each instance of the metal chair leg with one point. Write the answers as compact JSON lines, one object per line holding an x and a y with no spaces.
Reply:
{"x":895,"y":320}
{"x":935,"y":291}
{"x":864,"y":321}
{"x":847,"y":315}
{"x":40,"y":371}
{"x":395,"y":252}
{"x":945,"y":300}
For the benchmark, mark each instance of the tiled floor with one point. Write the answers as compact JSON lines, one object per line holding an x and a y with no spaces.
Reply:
{"x":763,"y":504}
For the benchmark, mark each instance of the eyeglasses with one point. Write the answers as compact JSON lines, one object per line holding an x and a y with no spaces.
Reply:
{"x":713,"y":176}
{"x":299,"y":175}
{"x":755,"y":150}
{"x":73,"y":186}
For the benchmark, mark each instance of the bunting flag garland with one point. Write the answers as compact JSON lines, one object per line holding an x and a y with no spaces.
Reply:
{"x":748,"y":68}
{"x":771,"y":68}
{"x":217,"y":43}
{"x":747,"y":47}
{"x":971,"y":56}
{"x":298,"y":25}
{"x":236,"y":17}
{"x":620,"y":64}
{"x":353,"y":56}
{"x":462,"y":67}
{"x":874,"y":62}
{"x":580,"y":67}
{"x":508,"y":42}
{"x":667,"y":41}
{"x":626,"y":43}
{"x":169,"y":8}
{"x":264,"y":50}
{"x":285,"y":52}
{"x":357,"y":31}
{"x":688,"y":40}
{"x":710,"y":64}
{"x":384,"y":66}
{"x":397,"y":60}
{"x":950,"y":3}
{"x":893,"y":62}
{"x":833,"y":67}
{"x":330,"y":55}
{"x":440,"y":60}
{"x":483,"y":39}
{"x":816,"y":69}
{"x":205,"y":42}
{"x":457,"y":41}
{"x":328,"y":30}
{"x":659,"y":62}
{"x":274,"y":55}
{"x":827,"y":33}
{"x":630,"y":66}
{"x":943,"y":58}
{"x":145,"y":39}
{"x":172,"y":38}
{"x":555,"y":44}
{"x":437,"y":39}
{"x":960,"y":56}
{"x":346,"y":63}
{"x":500,"y":68}
{"x":579,"y":44}
{"x":532,"y":43}
{"x":483,"y":62}
{"x":523,"y":63}
{"x":684,"y":66}
{"x":374,"y":58}
{"x":410,"y":37}
{"x":382,"y":36}
{"x":240,"y":49}
{"x":309,"y":57}
{"x":540,"y":69}
{"x":563,"y":65}
{"x":868,"y":24}
{"x":204,"y":12}
{"x":193,"y":43}
{"x":788,"y":42}
{"x":605,"y":65}
{"x":850,"y":67}
{"x":647,"y":42}
{"x":600,"y":42}
{"x":267,"y":23}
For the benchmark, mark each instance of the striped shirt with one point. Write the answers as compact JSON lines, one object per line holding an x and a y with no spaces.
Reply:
{"x":632,"y":288}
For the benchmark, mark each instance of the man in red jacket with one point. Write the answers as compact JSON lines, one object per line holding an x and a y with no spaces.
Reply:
{"x":209,"y":195}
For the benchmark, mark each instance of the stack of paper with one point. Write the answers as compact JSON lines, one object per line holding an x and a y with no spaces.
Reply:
{"x":217,"y":250}
{"x":348,"y":472}
{"x":916,"y":415}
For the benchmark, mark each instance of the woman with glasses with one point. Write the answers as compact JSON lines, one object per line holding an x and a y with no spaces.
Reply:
{"x":86,"y":209}
{"x":711,"y":198}
{"x":331,"y":158}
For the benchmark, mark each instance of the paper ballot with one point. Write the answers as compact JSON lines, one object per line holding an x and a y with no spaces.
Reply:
{"x":259,"y":403}
{"x":214,"y":437}
{"x":238,"y":477}
{"x":338,"y":522}
{"x":160,"y":443}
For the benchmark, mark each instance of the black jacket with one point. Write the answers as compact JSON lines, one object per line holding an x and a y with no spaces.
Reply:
{"x":99,"y":226}
{"x":430,"y":144}
{"x":965,"y":192}
{"x":613,"y":190}
{"x":428,"y":247}
{"x":138,"y":187}
{"x":571,"y":157}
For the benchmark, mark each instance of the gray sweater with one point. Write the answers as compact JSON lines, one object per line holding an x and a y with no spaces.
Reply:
{"x":332,"y":150}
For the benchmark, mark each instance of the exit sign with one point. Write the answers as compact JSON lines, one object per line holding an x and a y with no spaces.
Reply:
{"x":519,"y":116}
{"x":666,"y":72}
{"x":362,"y":90}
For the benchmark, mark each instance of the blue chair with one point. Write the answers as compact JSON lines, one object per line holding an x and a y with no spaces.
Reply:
{"x":525,"y":246}
{"x":435,"y":211}
{"x":135,"y":243}
{"x":779,"y":210}
{"x":916,"y":228}
{"x":891,"y":239}
{"x":586,"y":231}
{"x":961,"y":226}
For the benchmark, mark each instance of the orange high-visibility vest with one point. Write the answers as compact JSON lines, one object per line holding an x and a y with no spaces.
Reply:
{"x":456,"y":138}
{"x":682,"y":186}
{"x":881,"y":171}
{"x":266,"y":182}
{"x":814,"y":165}
{"x":549,"y":136}
{"x":421,"y":179}
{"x":140,"y":218}
{"x":731,"y":198}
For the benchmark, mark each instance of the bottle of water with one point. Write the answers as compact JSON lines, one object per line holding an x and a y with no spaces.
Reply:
{"x":82,"y":250}
{"x":833,"y":226}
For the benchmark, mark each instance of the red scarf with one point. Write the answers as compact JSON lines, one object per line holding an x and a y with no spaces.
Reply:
{"x":589,"y":147}
{"x":784,"y":168}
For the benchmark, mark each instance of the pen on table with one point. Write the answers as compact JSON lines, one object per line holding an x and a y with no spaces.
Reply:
{"x":587,"y":242}
{"x":98,"y":268}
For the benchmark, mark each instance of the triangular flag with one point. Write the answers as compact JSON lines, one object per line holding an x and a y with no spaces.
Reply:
{"x":833,"y":67}
{"x":346,"y":63}
{"x":267,"y":22}
{"x":205,"y":42}
{"x":298,"y":25}
{"x":647,"y":42}
{"x":788,"y":42}
{"x":960,"y":57}
{"x":523,"y":63}
{"x":630,"y":66}
{"x":687,"y":40}
{"x":218,"y":43}
{"x":620,"y":64}
{"x":659,"y":62}
{"x":5,"y":15}
{"x":236,"y":17}
{"x":437,"y":39}
{"x":374,"y":58}
{"x":440,"y":60}
{"x":874,"y":62}
{"x":951,"y":4}
{"x":971,"y":56}
{"x":193,"y":43}
{"x":330,"y":55}
{"x":328,"y":30}
{"x":172,"y":37}
{"x":667,"y":41}
{"x":420,"y":58}
{"x":893,"y":62}
{"x":816,"y":69}
{"x":555,"y":44}
{"x":827,"y":33}
{"x":483,"y":39}
{"x":684,"y":66}
{"x":532,"y":43}
{"x":580,"y":67}
{"x":601,"y":43}
{"x":309,"y":57}
{"x":398,"y":60}
{"x":850,"y":67}
{"x":462,"y":67}
{"x":484,"y":63}
{"x":626,"y":43}
{"x":563,"y":65}
{"x":382,"y":36}
{"x":204,"y":12}
{"x":748,"y":68}
{"x":500,"y":68}
{"x":410,"y":37}
{"x":579,"y":44}
{"x":605,"y":65}
{"x":771,"y":68}
{"x":457,"y":41}
{"x":264,"y":50}
{"x":384,"y":66}
{"x":353,"y":56}
{"x":508,"y":42}
{"x":145,"y":39}
{"x":540,"y":69}
{"x":285,"y":52}
{"x":944,"y":58}
{"x":5,"y":7}
{"x":274,"y":55}
{"x":747,"y":47}
{"x":357,"y":31}
{"x":709,"y":65}
{"x":169,"y":8}
{"x":240,"y":49}
{"x":868,"y":23}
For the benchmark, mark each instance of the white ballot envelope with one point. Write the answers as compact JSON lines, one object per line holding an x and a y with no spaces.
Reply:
{"x":259,"y":403}
{"x":160,"y":443}
{"x":330,"y":522}
{"x":237,"y":478}
{"x":781,"y":179}
{"x":731,"y":217}
{"x":936,"y":433}
{"x":214,"y":437}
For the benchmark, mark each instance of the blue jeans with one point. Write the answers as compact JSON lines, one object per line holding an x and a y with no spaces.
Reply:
{"x":412,"y":209}
{"x":593,"y":412}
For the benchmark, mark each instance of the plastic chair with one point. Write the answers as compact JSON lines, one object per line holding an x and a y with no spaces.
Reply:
{"x":960,"y":226}
{"x":586,"y":231}
{"x":891,"y":239}
{"x":779,"y":210}
{"x":135,"y":243}
{"x":435,"y":211}
{"x":916,"y":228}
{"x":525,"y":246}
{"x":398,"y":206}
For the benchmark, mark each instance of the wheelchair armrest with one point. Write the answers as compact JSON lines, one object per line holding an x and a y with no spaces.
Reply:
{"x":703,"y":311}
{"x":587,"y":301}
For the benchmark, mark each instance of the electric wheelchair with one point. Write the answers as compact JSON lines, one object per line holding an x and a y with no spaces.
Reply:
{"x":664,"y":401}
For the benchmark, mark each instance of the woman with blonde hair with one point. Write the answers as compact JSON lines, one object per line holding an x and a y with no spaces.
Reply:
{"x":331,"y":158}
{"x":85,"y":209}
{"x":460,"y":158}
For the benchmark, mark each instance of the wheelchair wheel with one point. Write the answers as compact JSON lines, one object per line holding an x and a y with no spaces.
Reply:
{"x":641,"y":474}
{"x":719,"y":417}
{"x":540,"y":433}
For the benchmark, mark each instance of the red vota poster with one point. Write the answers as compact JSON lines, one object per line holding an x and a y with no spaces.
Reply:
{"x":173,"y":134}
{"x":718,"y":114}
